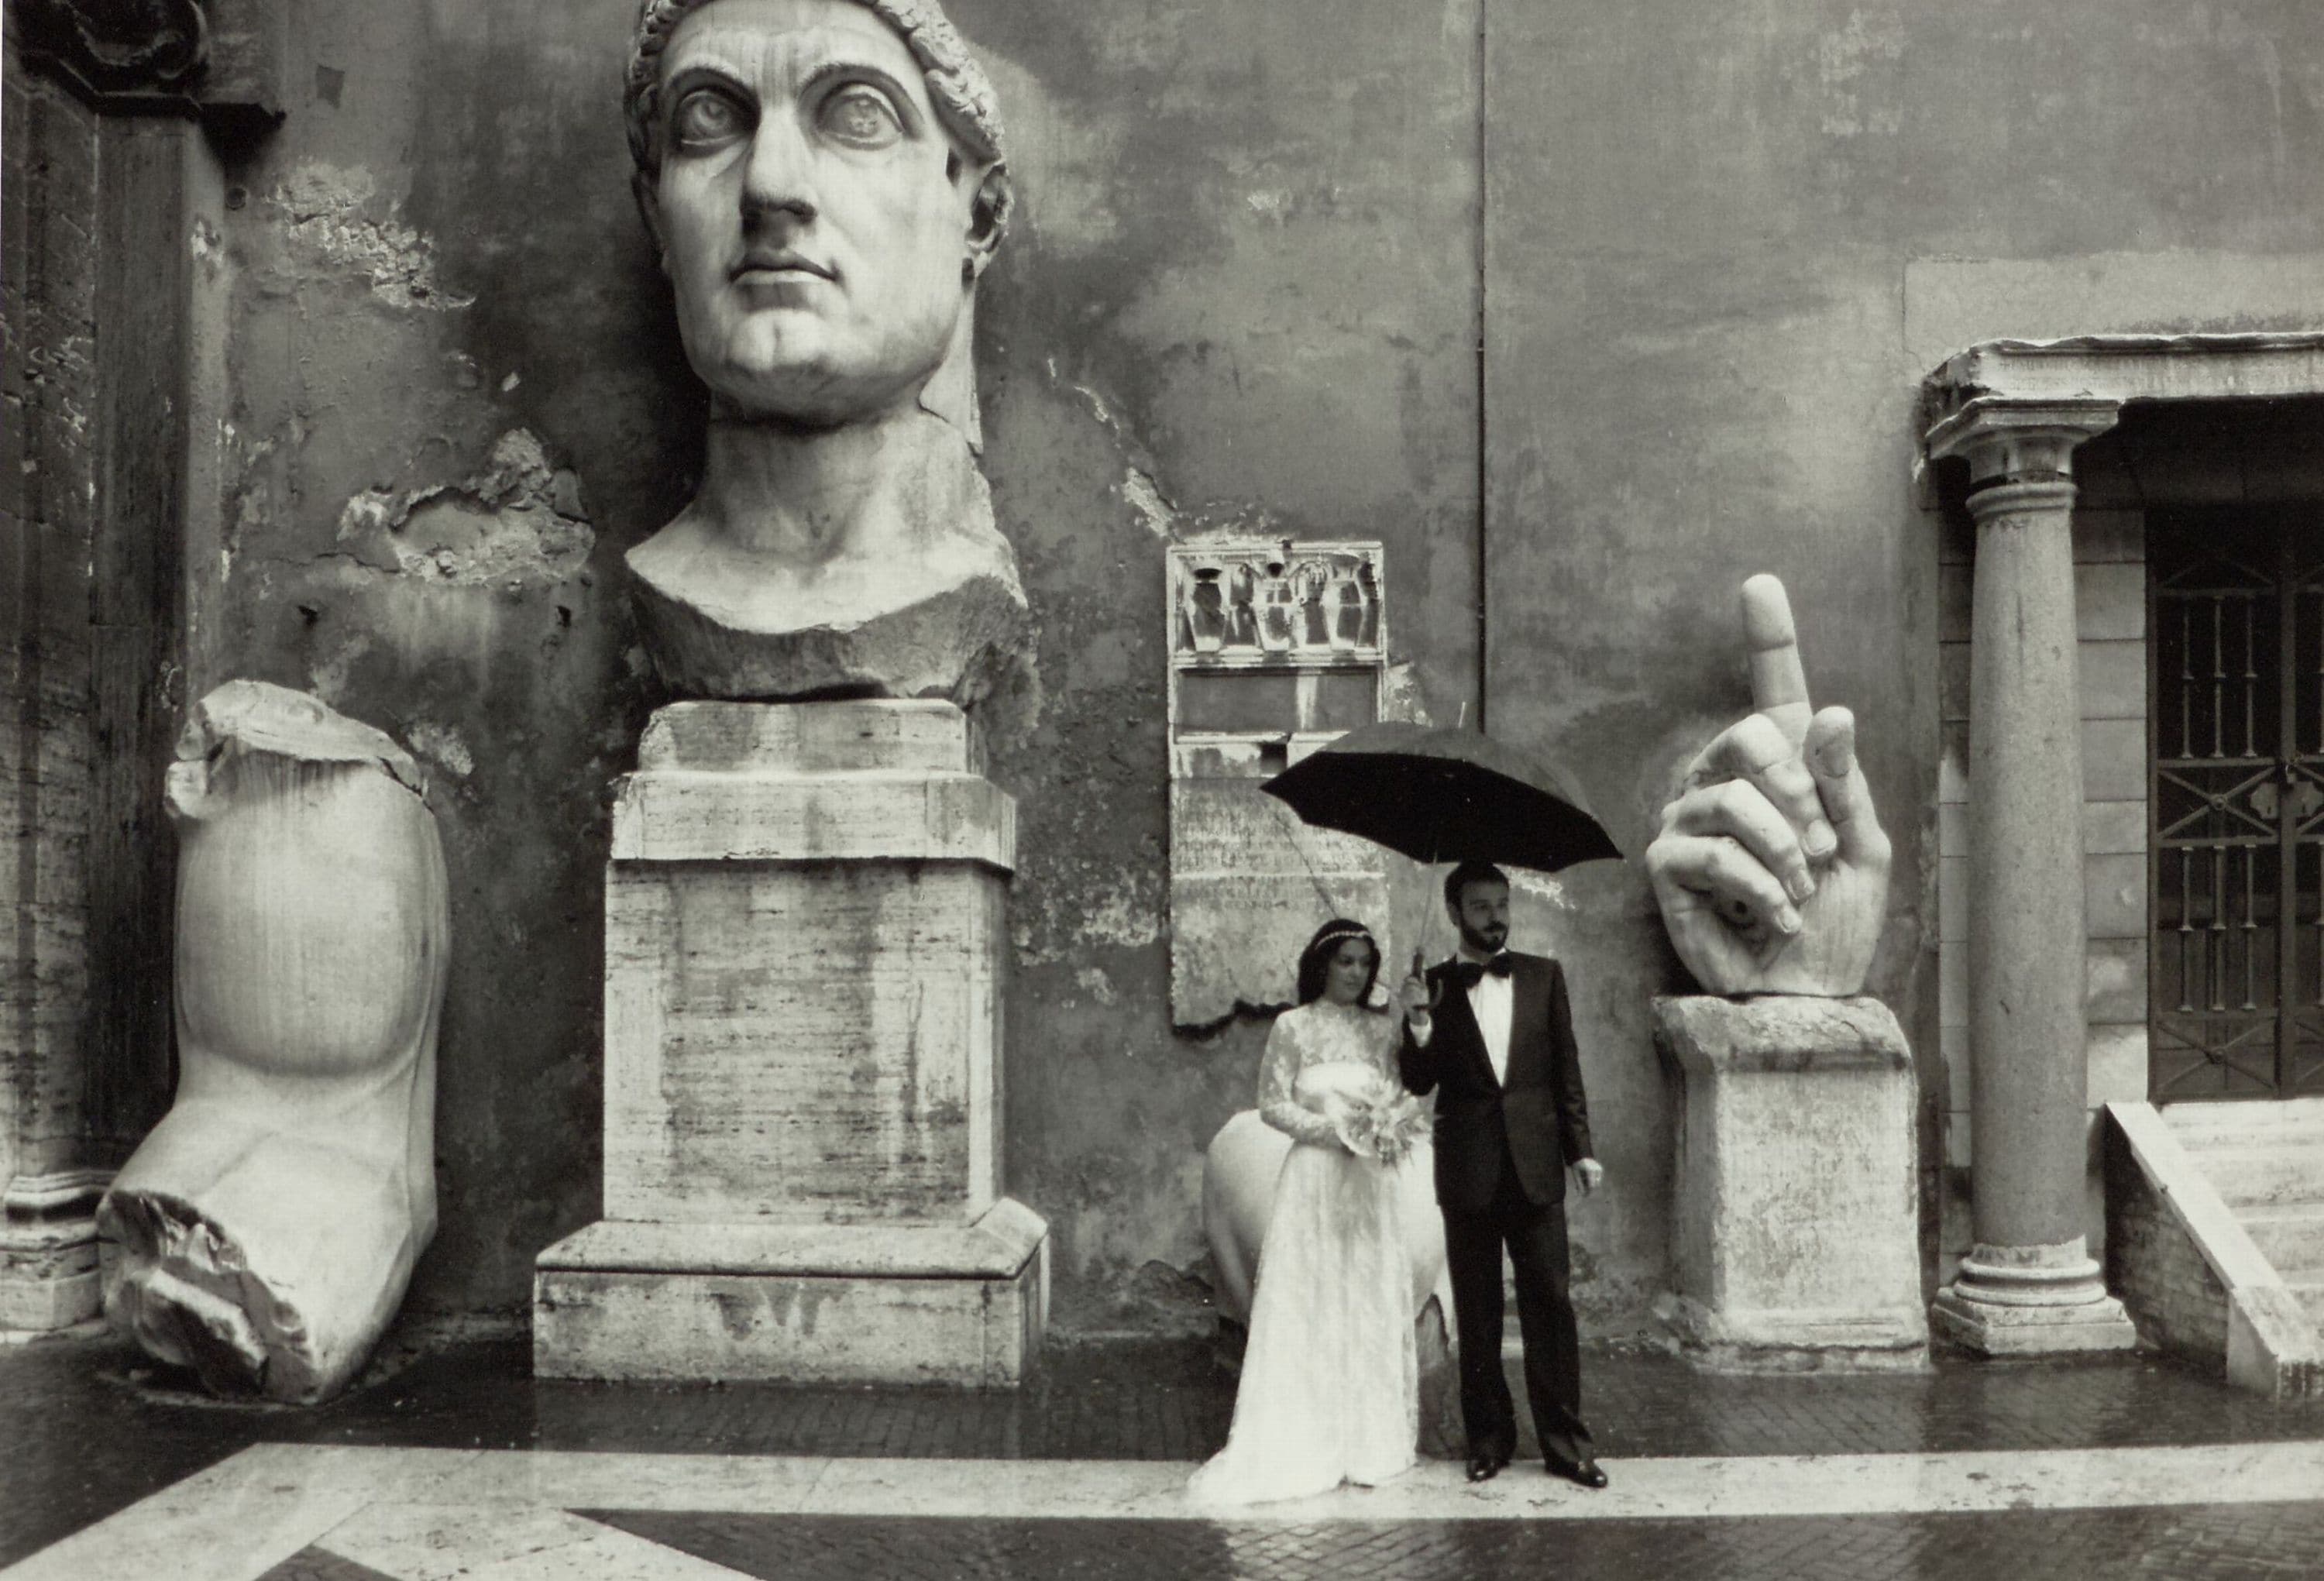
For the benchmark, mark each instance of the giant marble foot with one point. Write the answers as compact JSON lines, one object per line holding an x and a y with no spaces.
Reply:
{"x":267,"y":1229}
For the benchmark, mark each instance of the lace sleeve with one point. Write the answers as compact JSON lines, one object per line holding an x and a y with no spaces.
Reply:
{"x":1278,"y":1072}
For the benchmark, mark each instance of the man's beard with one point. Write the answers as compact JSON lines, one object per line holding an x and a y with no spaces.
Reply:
{"x":1481,"y":943}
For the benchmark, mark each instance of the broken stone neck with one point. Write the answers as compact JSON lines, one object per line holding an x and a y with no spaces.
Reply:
{"x":810,"y":496}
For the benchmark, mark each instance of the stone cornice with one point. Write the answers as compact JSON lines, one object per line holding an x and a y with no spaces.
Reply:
{"x":137,"y":56}
{"x":2121,"y":368}
{"x":220,"y":61}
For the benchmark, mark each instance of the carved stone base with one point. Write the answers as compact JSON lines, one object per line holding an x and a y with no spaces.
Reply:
{"x":2032,"y":1301}
{"x":1796,"y":1235}
{"x":50,"y":1278}
{"x":806,"y":937}
{"x":958,"y":1305}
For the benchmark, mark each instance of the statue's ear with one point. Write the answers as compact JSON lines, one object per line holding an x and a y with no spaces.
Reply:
{"x":649,"y":210}
{"x":988,"y":218}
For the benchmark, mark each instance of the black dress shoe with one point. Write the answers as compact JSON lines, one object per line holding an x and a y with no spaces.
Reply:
{"x":1485,"y":1467}
{"x":1585,"y":1472}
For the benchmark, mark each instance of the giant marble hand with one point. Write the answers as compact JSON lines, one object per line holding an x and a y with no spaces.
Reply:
{"x":824,"y":182}
{"x":1771,"y":867}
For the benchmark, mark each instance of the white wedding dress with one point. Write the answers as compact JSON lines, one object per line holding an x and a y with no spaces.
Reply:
{"x":1330,"y":1387}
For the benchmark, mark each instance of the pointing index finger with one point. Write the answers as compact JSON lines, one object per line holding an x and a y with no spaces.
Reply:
{"x":1779,"y":685}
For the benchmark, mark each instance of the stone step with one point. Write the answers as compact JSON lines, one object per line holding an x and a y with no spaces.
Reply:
{"x":2200,"y":1126}
{"x":2272,"y":1172}
{"x":2311,"y":1296}
{"x":2289,"y":1235}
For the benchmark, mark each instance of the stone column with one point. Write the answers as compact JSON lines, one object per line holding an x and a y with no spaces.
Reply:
{"x":2029,"y":1285}
{"x":805,"y":943}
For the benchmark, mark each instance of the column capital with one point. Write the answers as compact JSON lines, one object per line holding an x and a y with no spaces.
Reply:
{"x":2019,"y":441}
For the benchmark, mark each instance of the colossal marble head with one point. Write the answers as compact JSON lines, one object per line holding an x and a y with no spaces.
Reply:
{"x":824,"y":181}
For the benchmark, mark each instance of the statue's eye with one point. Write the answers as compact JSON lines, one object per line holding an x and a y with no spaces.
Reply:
{"x":861,"y":116}
{"x":705,"y":118}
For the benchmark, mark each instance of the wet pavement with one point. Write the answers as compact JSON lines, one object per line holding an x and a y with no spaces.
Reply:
{"x":91,"y":1428}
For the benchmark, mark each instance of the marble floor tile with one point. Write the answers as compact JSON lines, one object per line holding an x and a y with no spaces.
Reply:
{"x":465,"y":1542}
{"x":236,"y":1520}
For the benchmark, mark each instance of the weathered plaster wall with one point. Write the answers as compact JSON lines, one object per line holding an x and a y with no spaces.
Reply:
{"x":1725,"y":245}
{"x":1243,"y":294}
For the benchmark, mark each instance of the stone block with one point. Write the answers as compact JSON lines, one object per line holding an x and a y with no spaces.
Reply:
{"x":2025,"y":1331}
{"x":1952,"y":829}
{"x":2107,"y":537}
{"x":959,"y":1305}
{"x":2114,"y":895}
{"x":1953,"y":660}
{"x":1796,"y":1229}
{"x":806,"y":944}
{"x":726,"y":738}
{"x":809,"y":1042}
{"x":49,"y":1273}
{"x":2116,"y":987}
{"x":2110,"y":828}
{"x":1952,"y":902}
{"x":2117,"y":1064}
{"x":2113,"y":759}
{"x":1955,"y":586}
{"x":2110,"y":600}
{"x":2112,"y":676}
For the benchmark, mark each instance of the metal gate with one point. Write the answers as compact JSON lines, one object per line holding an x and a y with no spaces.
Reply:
{"x":2235,"y":738}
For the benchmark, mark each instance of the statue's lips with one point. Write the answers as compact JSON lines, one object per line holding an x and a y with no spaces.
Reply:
{"x":778,"y":268}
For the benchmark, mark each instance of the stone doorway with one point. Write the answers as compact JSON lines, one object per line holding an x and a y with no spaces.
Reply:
{"x":2236,"y":771}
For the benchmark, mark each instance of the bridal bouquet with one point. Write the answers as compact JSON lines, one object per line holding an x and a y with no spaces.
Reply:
{"x":1381,"y":1120}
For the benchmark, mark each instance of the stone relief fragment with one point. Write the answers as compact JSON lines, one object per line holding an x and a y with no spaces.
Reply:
{"x":1277,"y":647}
{"x":267,"y":1229}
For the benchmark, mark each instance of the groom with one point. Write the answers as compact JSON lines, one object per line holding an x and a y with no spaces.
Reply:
{"x":1499,"y":1051}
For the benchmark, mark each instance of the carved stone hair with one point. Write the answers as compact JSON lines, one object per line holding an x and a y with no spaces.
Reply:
{"x":957,"y":86}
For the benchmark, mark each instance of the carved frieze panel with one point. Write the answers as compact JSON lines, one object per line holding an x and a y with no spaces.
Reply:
{"x":1275,"y":647}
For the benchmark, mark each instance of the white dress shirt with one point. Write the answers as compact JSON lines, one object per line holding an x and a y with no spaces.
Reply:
{"x":1493,"y":1002}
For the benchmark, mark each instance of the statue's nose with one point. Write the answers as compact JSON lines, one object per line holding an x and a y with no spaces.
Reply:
{"x":779,"y":174}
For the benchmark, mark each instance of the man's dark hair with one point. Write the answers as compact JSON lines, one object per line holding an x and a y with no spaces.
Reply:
{"x":1315,"y":960}
{"x":1469,"y":873}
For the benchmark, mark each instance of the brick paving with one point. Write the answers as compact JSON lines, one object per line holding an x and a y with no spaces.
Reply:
{"x":2179,"y":1544}
{"x":90,"y":1428}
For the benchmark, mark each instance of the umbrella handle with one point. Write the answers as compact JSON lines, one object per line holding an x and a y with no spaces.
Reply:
{"x":1420,"y":970}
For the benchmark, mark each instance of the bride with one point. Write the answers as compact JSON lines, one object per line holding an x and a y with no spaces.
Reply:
{"x":1330,"y":1387}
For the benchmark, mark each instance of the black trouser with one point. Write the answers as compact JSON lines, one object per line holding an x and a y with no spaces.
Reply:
{"x":1535,"y":1237}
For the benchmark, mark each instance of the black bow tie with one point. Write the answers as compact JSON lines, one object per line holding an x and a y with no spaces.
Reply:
{"x":1467,"y":973}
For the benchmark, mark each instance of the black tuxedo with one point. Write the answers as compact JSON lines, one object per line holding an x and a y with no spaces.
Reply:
{"x":1501,"y":1151}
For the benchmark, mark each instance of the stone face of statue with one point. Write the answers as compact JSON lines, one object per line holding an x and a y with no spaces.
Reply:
{"x":820,"y":228}
{"x":823,"y":221}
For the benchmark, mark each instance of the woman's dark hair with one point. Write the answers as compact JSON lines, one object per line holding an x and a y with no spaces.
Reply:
{"x":1315,"y":960}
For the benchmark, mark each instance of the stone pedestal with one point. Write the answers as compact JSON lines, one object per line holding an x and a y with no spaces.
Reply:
{"x":806,"y":929}
{"x":50,"y":1278}
{"x":1795,"y":1231}
{"x":2030,"y":1285}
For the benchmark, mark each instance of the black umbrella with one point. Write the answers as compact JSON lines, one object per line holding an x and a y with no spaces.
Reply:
{"x":1444,"y":796}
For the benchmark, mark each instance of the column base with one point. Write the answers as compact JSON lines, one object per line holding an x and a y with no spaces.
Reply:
{"x":2032,"y":1301}
{"x":1851,"y":1340}
{"x":49,"y":1275}
{"x":963,"y":1305}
